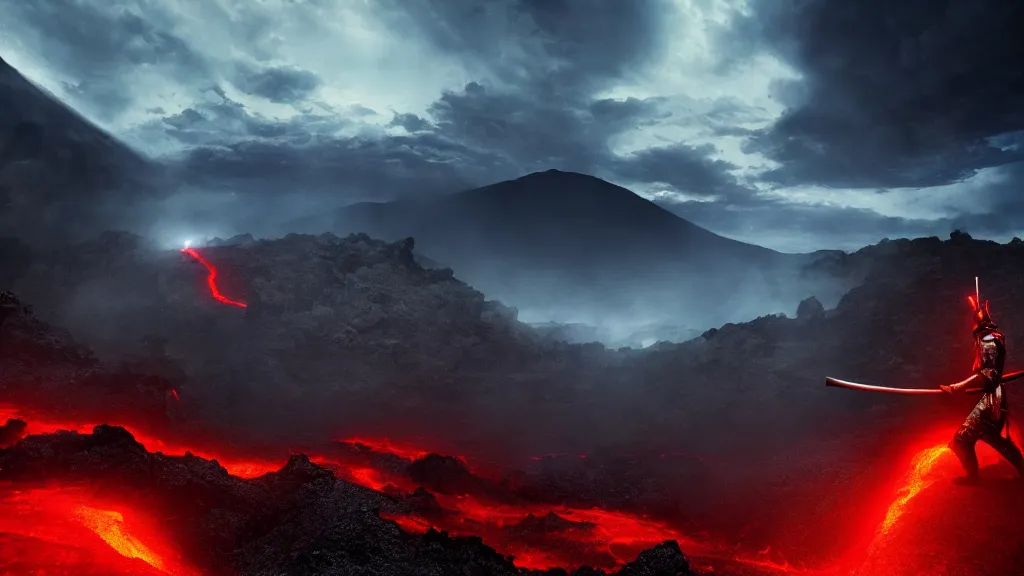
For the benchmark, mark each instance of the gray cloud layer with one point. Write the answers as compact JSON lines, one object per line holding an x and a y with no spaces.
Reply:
{"x":884,"y":95}
{"x":894,"y":94}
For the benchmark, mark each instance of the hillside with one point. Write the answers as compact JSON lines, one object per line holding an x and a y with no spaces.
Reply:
{"x":47,"y":150}
{"x":584,"y":250}
{"x":351,"y":338}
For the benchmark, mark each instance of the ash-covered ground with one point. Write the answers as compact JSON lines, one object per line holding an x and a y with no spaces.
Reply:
{"x":728,"y":444}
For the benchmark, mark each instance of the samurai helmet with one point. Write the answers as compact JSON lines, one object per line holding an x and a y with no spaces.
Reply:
{"x":982,"y":315}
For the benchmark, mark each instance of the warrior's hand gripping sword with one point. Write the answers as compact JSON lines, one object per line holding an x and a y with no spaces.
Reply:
{"x":917,"y":391}
{"x":972,"y":385}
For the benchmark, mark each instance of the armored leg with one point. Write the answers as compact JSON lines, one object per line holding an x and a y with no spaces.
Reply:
{"x":963,"y":446}
{"x":966,"y":438}
{"x":1006,"y":448}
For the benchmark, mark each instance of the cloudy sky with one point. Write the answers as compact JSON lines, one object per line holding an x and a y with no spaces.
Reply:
{"x":796,"y":124}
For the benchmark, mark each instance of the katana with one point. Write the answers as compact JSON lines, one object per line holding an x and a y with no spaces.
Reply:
{"x":835,"y":382}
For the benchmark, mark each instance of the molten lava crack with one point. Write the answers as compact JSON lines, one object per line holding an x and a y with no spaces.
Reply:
{"x":211,"y":278}
{"x":64,"y":530}
{"x":538,"y":535}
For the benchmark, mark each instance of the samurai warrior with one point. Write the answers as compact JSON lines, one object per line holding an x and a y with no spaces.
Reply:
{"x":988,"y":421}
{"x":990,"y":418}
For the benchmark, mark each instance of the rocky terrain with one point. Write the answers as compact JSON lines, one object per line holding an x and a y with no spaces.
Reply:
{"x":349,"y":337}
{"x":298,"y":520}
{"x":334,"y":321}
{"x":587,"y":251}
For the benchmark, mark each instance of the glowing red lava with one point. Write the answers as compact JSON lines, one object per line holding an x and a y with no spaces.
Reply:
{"x":387,"y":446}
{"x":916,"y":481}
{"x":241,"y":467}
{"x":601,"y":538}
{"x":211,"y":278}
{"x":64,"y":530}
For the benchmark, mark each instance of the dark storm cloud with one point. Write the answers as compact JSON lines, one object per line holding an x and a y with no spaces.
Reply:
{"x":99,"y":41}
{"x":913,"y":97}
{"x":685,"y":168}
{"x":553,"y":54}
{"x":1004,"y":203}
{"x":280,"y":84}
{"x":792,"y":226}
{"x":563,"y":46}
{"x":893,"y":94}
{"x":245,"y":153}
{"x":360,"y":168}
{"x":411,"y":122}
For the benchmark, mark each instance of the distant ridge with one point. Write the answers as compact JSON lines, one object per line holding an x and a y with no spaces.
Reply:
{"x":558,"y":240}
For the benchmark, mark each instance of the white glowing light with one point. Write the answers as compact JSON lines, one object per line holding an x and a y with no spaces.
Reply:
{"x":188,"y":244}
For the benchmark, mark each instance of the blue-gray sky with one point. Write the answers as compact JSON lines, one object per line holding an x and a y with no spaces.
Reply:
{"x":795,"y":124}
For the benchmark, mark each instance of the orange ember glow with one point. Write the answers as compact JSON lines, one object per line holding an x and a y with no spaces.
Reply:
{"x":243,"y":468}
{"x":389,"y":447}
{"x":916,"y":481}
{"x":613,"y":538}
{"x":211,"y":278}
{"x":600,"y":538}
{"x":68,"y":527}
{"x":109,"y":526}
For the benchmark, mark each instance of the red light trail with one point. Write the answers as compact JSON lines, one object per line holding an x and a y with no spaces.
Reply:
{"x":211,"y":278}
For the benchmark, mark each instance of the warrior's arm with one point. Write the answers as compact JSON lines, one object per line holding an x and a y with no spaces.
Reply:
{"x":973,"y":381}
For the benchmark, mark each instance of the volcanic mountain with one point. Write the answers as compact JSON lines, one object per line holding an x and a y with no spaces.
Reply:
{"x":573,"y":248}
{"x":59,"y":172}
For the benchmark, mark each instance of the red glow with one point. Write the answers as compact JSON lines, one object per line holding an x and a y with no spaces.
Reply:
{"x":601,"y":538}
{"x":616,"y":536}
{"x":174,"y":393}
{"x":66,"y":531}
{"x":387,"y":446}
{"x":243,"y":468}
{"x":211,"y":278}
{"x":916,"y":481}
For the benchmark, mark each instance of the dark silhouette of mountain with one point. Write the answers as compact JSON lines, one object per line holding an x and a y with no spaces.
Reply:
{"x":59,"y":174}
{"x":549,"y":216}
{"x":573,"y":247}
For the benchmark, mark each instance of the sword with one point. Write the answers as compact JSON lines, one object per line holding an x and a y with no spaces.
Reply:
{"x":886,"y":389}
{"x":835,"y":382}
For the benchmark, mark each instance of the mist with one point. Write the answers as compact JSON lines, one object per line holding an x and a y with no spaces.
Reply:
{"x":351,"y":338}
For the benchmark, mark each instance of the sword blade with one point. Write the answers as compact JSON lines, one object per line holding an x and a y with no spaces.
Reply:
{"x":884,"y":389}
{"x":1012,"y":376}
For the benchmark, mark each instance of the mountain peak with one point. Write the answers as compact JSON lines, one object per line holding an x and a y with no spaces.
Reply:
{"x":570,"y":195}
{"x":562,"y":175}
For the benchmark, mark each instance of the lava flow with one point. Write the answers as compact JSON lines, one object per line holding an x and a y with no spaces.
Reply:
{"x":916,"y":481}
{"x":211,"y":278}
{"x":538,"y":535}
{"x":241,"y":467}
{"x":65,"y":531}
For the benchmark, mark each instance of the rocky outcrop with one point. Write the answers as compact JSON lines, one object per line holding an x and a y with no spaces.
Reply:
{"x":810,"y":309}
{"x":298,"y":520}
{"x":345,"y":337}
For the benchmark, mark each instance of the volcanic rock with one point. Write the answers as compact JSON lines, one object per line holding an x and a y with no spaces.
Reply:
{"x":549,"y":523}
{"x":810,"y":309}
{"x":663,"y":560}
{"x":299,"y":520}
{"x":445,"y":475}
{"x":12,"y":431}
{"x":351,"y":341}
